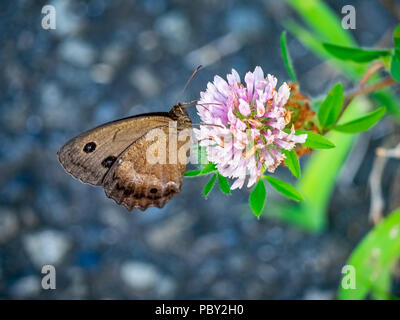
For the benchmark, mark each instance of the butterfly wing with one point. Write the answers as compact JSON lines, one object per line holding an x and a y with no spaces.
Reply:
{"x":89,"y":156}
{"x":136,"y":182}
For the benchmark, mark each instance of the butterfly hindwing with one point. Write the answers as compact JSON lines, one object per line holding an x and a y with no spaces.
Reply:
{"x":136,"y":182}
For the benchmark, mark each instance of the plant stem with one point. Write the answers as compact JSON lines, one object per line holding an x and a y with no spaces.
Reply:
{"x":376,"y":86}
{"x":361,"y":90}
{"x":369,"y":73}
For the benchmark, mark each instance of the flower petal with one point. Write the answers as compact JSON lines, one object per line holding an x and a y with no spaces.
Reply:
{"x":244,"y":108}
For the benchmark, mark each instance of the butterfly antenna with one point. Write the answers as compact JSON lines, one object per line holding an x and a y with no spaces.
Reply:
{"x":185,"y":103}
{"x":187,"y":82}
{"x":208,"y":103}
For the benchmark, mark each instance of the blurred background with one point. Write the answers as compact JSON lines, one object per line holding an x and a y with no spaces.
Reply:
{"x":111,"y":59}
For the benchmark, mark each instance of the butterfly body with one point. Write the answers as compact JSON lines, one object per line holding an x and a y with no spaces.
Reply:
{"x":114,"y":155}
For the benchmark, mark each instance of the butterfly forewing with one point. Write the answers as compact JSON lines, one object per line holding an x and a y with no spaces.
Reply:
{"x":90,"y":155}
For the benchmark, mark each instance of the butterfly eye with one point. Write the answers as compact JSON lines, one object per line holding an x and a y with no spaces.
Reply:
{"x":89,"y":147}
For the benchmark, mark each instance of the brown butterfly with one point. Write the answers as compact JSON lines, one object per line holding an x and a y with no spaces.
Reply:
{"x":113,"y":155}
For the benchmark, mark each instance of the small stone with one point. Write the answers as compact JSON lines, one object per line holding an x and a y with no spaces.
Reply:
{"x":77,"y":52}
{"x":8,"y":225}
{"x":46,"y":247}
{"x":34,"y":124}
{"x":223,"y":289}
{"x":165,"y":234}
{"x":67,"y":22}
{"x":266,"y":253}
{"x":140,"y":275}
{"x":102,"y":73}
{"x":245,"y":21}
{"x":175,"y":28}
{"x":114,"y":54}
{"x":275,"y":236}
{"x":316,"y":294}
{"x":166,"y":288}
{"x":26,"y":287}
{"x":50,"y":93}
{"x":144,"y":80}
{"x":148,"y":40}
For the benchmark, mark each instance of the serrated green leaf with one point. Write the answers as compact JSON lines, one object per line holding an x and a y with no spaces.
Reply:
{"x":315,"y":141}
{"x":284,"y":188}
{"x":373,"y":260}
{"x":292,"y":162}
{"x":363,"y":123}
{"x":257,"y":198}
{"x":224,"y":184}
{"x":209,"y":186}
{"x":331,"y":107}
{"x":354,"y":54}
{"x":286,"y":58}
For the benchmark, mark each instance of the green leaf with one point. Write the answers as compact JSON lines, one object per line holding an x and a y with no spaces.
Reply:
{"x":315,"y":141}
{"x":192,"y":173}
{"x":285,"y":188}
{"x":208,"y":168}
{"x":313,"y":42}
{"x":386,"y":97}
{"x":395,"y":61}
{"x":322,"y":20}
{"x":286,"y":58}
{"x":373,"y":260}
{"x":224,"y":184}
{"x":363,"y":123}
{"x":257,"y":198}
{"x":209,"y":186}
{"x":292,"y":162}
{"x":395,"y":66}
{"x":331,"y":107}
{"x":354,"y":54}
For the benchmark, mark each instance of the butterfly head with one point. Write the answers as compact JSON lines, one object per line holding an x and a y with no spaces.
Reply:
{"x":179,"y":113}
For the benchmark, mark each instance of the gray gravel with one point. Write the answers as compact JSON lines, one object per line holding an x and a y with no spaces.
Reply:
{"x":110,"y":59}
